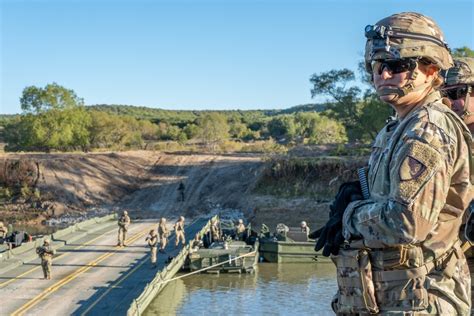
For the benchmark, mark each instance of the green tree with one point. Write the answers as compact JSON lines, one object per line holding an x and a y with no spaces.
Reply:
{"x":191,"y":131}
{"x":463,"y":52}
{"x":327,"y":131}
{"x":362,"y":114}
{"x":52,"y":96}
{"x":282,"y":126}
{"x":213,"y":129}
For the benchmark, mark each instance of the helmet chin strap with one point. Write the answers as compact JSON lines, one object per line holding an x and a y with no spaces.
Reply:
{"x":466,"y":112}
{"x":407,"y":88}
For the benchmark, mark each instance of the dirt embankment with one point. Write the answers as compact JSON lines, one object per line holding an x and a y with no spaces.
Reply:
{"x":147,"y":182}
{"x":144,"y":182}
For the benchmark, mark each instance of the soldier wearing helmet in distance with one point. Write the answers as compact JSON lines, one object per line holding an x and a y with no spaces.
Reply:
{"x":459,"y":88}
{"x":401,"y":251}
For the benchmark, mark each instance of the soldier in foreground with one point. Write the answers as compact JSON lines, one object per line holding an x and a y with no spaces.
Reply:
{"x":179,"y":232}
{"x":240,"y":230}
{"x":403,"y":238}
{"x":46,"y":253}
{"x":152,"y":240}
{"x":123,"y":223}
{"x":163,"y":234}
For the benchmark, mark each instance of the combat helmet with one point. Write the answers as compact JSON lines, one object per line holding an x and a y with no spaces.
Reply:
{"x":406,"y":36}
{"x":460,"y":78}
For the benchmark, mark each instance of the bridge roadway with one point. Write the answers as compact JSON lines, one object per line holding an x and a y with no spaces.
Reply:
{"x":91,"y":276}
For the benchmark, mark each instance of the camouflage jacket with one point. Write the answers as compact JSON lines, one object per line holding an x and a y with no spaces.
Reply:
{"x":163,"y":230}
{"x":419,"y":181}
{"x":45,"y":252}
{"x":124,"y":221}
{"x":179,"y":226}
{"x":152,"y":240}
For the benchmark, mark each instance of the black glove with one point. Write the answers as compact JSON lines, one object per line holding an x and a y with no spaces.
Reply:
{"x":330,"y":236}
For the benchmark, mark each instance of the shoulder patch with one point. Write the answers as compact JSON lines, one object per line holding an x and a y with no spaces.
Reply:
{"x":419,"y":161}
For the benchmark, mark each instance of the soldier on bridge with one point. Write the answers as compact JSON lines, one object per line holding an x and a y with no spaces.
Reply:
{"x":163,"y":233}
{"x":152,"y":240}
{"x":123,"y":223}
{"x":179,"y":232}
{"x":46,"y":253}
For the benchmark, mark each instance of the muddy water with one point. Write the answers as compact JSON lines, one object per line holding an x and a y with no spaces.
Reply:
{"x":274,"y":289}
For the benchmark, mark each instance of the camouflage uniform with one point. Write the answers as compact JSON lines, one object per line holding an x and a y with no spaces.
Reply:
{"x":215,"y":232}
{"x":461,"y":76}
{"x":3,"y":231}
{"x":46,"y":253}
{"x":305,"y":228}
{"x":179,"y":232}
{"x":123,"y":223}
{"x":240,"y":230}
{"x":163,"y":234}
{"x":152,"y":240}
{"x":403,"y":253}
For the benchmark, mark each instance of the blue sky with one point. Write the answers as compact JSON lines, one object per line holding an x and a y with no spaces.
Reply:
{"x":195,"y":54}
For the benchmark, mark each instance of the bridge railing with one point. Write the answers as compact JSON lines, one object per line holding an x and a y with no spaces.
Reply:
{"x":139,"y":305}
{"x":27,"y":251}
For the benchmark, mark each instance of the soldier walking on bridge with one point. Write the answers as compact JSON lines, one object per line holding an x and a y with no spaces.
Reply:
{"x":179,"y":232}
{"x":152,"y":240}
{"x":46,"y":253}
{"x":163,"y":233}
{"x":123,"y":223}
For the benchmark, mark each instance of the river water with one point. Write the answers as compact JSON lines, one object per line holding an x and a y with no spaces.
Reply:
{"x":274,"y":289}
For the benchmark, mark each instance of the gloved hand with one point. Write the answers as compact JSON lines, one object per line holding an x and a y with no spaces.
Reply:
{"x":330,"y":235}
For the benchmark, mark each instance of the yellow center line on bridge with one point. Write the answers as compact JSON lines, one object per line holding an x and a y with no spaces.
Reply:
{"x":123,"y":278}
{"x":72,"y":276}
{"x":3,"y":284}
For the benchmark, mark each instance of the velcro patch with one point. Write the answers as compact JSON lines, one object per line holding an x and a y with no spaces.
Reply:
{"x":419,"y":163}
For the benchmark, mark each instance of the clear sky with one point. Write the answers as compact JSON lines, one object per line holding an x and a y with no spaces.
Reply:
{"x":195,"y":54}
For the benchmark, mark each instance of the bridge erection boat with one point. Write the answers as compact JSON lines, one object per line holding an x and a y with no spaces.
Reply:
{"x":288,"y":245}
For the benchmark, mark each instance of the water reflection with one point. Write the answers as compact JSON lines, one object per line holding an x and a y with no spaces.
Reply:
{"x":274,"y":289}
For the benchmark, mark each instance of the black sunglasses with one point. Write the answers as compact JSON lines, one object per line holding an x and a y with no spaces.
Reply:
{"x":456,"y":93}
{"x":394,"y":66}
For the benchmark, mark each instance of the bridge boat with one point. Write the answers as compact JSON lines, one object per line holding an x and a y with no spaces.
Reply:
{"x":228,"y":256}
{"x":289,"y":245}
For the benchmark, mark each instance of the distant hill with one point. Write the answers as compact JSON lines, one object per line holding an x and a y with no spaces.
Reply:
{"x":174,"y":116}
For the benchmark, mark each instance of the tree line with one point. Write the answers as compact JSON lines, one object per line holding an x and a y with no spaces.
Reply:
{"x":55,"y":118}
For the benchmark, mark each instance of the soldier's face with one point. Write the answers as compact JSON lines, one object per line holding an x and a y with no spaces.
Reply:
{"x":387,"y":79}
{"x":458,"y":107}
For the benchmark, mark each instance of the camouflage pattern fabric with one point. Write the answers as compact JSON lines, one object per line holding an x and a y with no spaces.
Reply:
{"x":46,"y":253}
{"x":461,"y":73}
{"x":152,"y":241}
{"x":3,"y":231}
{"x":179,"y":232}
{"x":389,"y":45}
{"x":123,"y":223}
{"x":163,"y":233}
{"x":419,"y":180}
{"x":215,"y":233}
